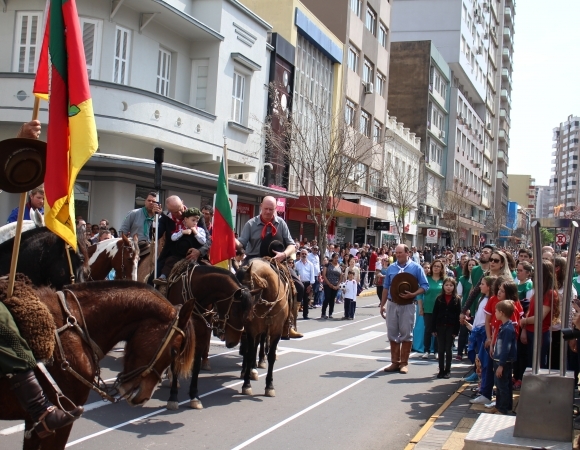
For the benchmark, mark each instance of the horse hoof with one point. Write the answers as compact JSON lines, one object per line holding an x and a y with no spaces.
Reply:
{"x":173,"y":406}
{"x":254,"y":375}
{"x":205,"y":365}
{"x":270,"y":393}
{"x":195,"y":404}
{"x":246,"y":391}
{"x":262,"y":365}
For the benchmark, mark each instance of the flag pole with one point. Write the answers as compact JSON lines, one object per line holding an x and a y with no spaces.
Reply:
{"x":18,"y":233}
{"x":158,"y":157}
{"x":225,"y":163}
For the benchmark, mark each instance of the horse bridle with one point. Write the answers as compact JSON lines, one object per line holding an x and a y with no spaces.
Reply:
{"x":97,"y":384}
{"x":265,"y":302}
{"x":123,"y":258}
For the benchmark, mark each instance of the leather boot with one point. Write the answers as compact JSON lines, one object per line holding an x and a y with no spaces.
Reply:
{"x":405,"y":352}
{"x":395,"y":357}
{"x":46,"y":416}
{"x":294,"y":334}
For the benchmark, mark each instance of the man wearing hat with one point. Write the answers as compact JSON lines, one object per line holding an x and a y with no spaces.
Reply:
{"x":404,"y":281}
{"x":268,"y":235}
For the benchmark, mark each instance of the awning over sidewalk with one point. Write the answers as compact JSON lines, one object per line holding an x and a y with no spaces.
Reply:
{"x":344,"y":209}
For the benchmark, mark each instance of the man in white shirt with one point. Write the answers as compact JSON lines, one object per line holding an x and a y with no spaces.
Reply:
{"x":415,"y":255}
{"x":305,"y":271}
{"x":315,"y":260}
{"x":354,"y":250}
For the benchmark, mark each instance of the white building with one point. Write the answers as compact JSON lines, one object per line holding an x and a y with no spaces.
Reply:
{"x":176,"y":74}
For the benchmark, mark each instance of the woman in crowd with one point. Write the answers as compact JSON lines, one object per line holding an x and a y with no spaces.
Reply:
{"x":549,"y":300}
{"x":363,"y":262}
{"x":511,"y":264}
{"x":435,"y":279}
{"x":113,"y":232}
{"x":524,"y":274}
{"x":556,"y":327}
{"x":352,"y":266}
{"x":331,"y":274}
{"x":463,"y":288}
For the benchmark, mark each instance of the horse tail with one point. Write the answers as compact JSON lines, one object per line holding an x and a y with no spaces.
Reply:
{"x":184,"y":362}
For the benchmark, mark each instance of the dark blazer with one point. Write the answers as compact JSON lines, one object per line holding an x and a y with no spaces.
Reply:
{"x":167,"y":228}
{"x":447,"y":314}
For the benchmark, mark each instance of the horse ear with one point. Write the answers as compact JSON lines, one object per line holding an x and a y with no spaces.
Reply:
{"x":185,"y":314}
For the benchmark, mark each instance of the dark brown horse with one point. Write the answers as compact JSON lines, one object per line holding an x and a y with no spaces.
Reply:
{"x":156,"y":334}
{"x":222,"y":304}
{"x":269,"y":316}
{"x":121,"y":254}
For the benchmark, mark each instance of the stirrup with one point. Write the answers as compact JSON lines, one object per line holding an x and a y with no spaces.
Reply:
{"x":43,"y":432}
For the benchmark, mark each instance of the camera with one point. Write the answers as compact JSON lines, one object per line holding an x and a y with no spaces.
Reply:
{"x":570,"y":333}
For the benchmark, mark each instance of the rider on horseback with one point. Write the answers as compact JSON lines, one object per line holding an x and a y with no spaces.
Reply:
{"x":268,"y":235}
{"x":17,"y":362}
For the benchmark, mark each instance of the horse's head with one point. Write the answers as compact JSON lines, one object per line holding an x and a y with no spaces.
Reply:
{"x":126,"y":259}
{"x":231,"y":315}
{"x":152,"y":349}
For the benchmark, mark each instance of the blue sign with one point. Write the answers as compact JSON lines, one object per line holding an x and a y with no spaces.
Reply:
{"x":512,"y":215}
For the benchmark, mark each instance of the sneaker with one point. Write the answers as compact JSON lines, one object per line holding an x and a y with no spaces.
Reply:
{"x":351,"y":318}
{"x":490,"y":405}
{"x":481,"y":400}
{"x":436,"y":355}
{"x":473,"y":378}
{"x":459,"y":358}
{"x":330,"y":317}
{"x":324,"y":316}
{"x":344,"y":318}
{"x":447,"y":375}
{"x":517,"y":385}
{"x":440,"y":374}
{"x":425,"y":355}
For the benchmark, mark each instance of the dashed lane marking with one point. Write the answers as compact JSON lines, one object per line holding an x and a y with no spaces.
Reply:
{"x":361,"y":338}
{"x":373,"y":326}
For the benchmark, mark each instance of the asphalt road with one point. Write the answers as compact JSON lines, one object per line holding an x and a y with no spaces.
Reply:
{"x":331,"y":392}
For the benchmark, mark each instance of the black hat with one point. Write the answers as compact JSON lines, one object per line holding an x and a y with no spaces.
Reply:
{"x":22,"y":164}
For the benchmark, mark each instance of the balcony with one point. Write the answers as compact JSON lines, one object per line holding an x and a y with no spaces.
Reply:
{"x":504,"y":136}
{"x":507,"y":55}
{"x":505,"y":75}
{"x":505,"y":96}
{"x":508,"y":15}
{"x":502,"y":156}
{"x":504,"y":116}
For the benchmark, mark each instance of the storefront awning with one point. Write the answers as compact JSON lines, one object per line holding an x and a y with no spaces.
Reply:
{"x":344,"y":208}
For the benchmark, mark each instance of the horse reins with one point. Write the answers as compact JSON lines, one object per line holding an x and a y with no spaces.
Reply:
{"x":265,"y":302}
{"x":98,"y":385}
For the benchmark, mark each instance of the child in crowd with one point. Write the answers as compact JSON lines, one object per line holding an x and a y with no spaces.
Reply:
{"x":504,"y":356}
{"x":186,"y":237}
{"x":350,"y":290}
{"x":446,"y":312}
{"x":477,"y":336}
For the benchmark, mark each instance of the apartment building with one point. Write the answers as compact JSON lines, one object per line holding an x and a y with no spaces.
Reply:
{"x":469,"y":35}
{"x":182,"y":75}
{"x":542,"y":201}
{"x":419,"y":95}
{"x":564,"y":195}
{"x":523,"y":192}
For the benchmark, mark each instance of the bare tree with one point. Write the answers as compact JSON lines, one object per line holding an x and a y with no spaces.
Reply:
{"x":454,"y":207}
{"x":326,"y":153}
{"x":496,"y":219}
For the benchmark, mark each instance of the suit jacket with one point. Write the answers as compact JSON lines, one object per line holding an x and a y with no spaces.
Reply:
{"x":167,"y":228}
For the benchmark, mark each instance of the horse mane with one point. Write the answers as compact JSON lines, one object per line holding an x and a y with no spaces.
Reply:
{"x":9,"y":244}
{"x":183,"y":364}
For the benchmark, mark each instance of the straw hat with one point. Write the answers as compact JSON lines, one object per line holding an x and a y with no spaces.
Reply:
{"x":22,"y":164}
{"x":403,"y":282}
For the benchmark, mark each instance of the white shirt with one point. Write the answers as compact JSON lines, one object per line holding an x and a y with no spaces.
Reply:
{"x":354,"y":251}
{"x":350,"y":289}
{"x":305,"y":270}
{"x":416,"y":257}
{"x":479,"y":320}
{"x":315,"y":260}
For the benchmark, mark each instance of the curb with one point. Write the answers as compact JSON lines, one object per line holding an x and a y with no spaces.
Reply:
{"x":431,"y":421}
{"x":368,"y":293}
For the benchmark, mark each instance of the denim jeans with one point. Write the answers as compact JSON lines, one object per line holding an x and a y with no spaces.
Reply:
{"x":476,"y":340}
{"x":504,"y":398}
{"x":316,"y":289}
{"x":486,"y":372}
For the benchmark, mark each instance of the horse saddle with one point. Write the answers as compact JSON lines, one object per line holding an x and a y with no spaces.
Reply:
{"x":144,"y":248}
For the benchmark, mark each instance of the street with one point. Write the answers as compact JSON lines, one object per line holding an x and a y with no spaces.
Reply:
{"x":331,"y":392}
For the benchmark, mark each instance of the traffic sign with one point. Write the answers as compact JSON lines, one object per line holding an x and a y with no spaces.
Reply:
{"x":481,"y":239}
{"x":432,"y":235}
{"x":560,"y":239}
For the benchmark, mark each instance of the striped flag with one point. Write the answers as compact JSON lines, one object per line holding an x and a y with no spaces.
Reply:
{"x":223,"y":246}
{"x":72,"y":132}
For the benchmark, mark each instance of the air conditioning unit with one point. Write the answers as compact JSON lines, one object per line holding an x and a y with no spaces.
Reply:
{"x":369,"y":88}
{"x":430,"y":210}
{"x":488,"y":126}
{"x":477,"y":165}
{"x":244,"y":176}
{"x":436,"y":220}
{"x":442,"y":134}
{"x":422,"y":208}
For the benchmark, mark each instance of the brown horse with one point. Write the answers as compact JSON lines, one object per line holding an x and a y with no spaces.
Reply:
{"x":270,"y":314}
{"x":222,"y":304}
{"x":156,"y":334}
{"x":121,"y":254}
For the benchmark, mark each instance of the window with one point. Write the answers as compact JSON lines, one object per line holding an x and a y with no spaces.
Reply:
{"x":368,"y":72}
{"x":383,"y":35}
{"x":438,"y":82}
{"x":91,"y":30}
{"x":365,"y":123}
{"x":238,"y":98}
{"x":377,"y":132}
{"x":375,"y":181}
{"x":349,"y":111}
{"x":371,"y":21}
{"x":200,"y":70}
{"x":380,"y":84}
{"x":28,"y":40}
{"x":121,"y":65}
{"x":356,"y":6}
{"x":437,"y":118}
{"x":361,"y":175}
{"x":163,"y":72}
{"x":353,"y":59}
{"x":435,"y":153}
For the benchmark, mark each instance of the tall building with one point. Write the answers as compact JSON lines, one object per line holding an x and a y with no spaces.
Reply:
{"x":523,"y":191}
{"x":564,"y":180}
{"x":542,"y":201}
{"x":476,"y":40}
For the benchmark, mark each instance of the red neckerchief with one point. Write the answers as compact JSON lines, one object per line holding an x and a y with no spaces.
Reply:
{"x":266,"y":225}
{"x":178,"y":222}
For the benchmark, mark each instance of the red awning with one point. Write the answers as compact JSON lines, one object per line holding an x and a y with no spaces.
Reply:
{"x":344,"y":209}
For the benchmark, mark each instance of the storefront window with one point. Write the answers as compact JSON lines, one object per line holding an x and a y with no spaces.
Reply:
{"x":141,"y":193}
{"x":82,"y":195}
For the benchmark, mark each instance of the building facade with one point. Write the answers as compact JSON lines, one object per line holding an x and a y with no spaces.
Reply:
{"x":181,"y":75}
{"x":542,"y":201}
{"x":564,"y":196}
{"x":523,"y":191}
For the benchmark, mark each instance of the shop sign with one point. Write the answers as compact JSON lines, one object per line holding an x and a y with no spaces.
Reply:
{"x":245,"y":208}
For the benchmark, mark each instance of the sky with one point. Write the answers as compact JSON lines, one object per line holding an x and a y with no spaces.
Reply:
{"x":546,"y":81}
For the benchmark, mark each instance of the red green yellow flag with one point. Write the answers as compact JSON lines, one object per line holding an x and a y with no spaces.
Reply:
{"x":223,"y":246}
{"x":72,"y":132}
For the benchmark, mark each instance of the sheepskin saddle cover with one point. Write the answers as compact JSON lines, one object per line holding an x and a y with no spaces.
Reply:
{"x":32,"y":317}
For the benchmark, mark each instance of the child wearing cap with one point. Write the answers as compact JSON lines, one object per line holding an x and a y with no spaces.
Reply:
{"x":188,"y":236}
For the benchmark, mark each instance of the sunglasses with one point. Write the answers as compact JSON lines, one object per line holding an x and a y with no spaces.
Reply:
{"x":495,"y":260}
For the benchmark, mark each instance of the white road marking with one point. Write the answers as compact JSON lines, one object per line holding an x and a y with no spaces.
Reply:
{"x":361,"y":338}
{"x":355,"y":322}
{"x":159,"y":411}
{"x":373,"y":326}
{"x":305,"y":410}
{"x":342,"y":355}
{"x":319,"y":332}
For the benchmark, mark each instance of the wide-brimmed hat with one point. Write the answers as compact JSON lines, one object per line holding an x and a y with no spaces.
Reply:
{"x":403,"y":282}
{"x":270,"y":245}
{"x":22,"y":164}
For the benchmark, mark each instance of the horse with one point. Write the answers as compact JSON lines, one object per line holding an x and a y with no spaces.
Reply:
{"x":9,"y":230}
{"x":121,"y":254}
{"x":269,"y":317}
{"x":222,"y":304}
{"x":156,"y":333}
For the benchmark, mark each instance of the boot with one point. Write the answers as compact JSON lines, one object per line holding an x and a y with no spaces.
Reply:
{"x":293,"y":334}
{"x":46,"y":416}
{"x":405,"y":352}
{"x":395,"y":357}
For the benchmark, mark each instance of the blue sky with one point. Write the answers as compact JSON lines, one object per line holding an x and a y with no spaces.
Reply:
{"x":546,"y":81}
